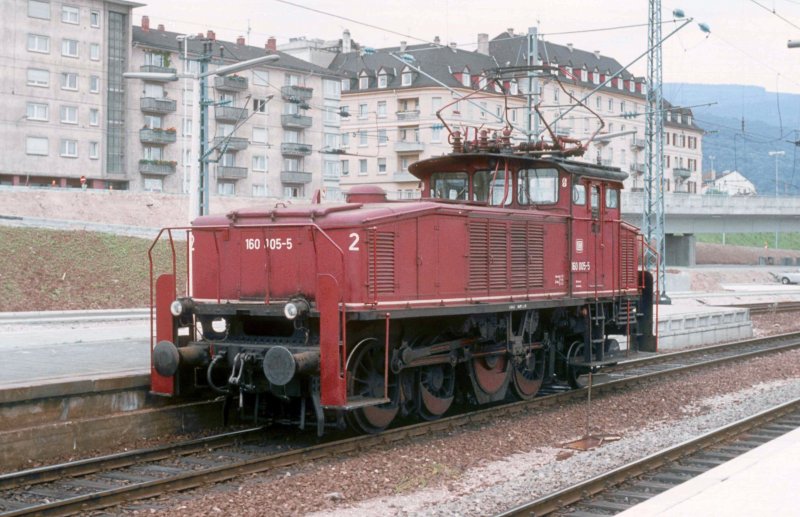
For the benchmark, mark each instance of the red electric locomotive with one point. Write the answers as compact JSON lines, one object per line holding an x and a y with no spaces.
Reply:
{"x":514,"y":270}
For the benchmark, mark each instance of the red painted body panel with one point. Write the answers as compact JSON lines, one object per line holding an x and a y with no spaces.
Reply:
{"x":165,"y":295}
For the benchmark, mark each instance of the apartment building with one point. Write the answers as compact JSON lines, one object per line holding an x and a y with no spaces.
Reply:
{"x":572,"y":74}
{"x":271,"y":130}
{"x":63,"y":98}
{"x":393,"y":95}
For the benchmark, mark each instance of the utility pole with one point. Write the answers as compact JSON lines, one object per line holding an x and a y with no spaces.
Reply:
{"x":532,"y":120}
{"x":653,"y":214}
{"x":776,"y":154}
{"x":203,"y":187}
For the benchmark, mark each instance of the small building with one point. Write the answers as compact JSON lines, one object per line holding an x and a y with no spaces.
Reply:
{"x":730,"y":183}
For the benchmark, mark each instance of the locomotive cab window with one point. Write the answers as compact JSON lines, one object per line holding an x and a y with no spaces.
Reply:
{"x":578,"y":194}
{"x":491,"y":187}
{"x":449,"y":185}
{"x":612,"y":198}
{"x":537,"y":186}
{"x":595,"y":201}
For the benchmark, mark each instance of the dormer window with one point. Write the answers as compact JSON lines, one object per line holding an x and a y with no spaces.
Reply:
{"x":406,"y":78}
{"x":514,"y":88}
{"x":482,"y":83}
{"x":363,"y":81}
{"x":569,"y":72}
{"x":584,"y":75}
{"x":345,"y":85}
{"x":669,"y":116}
{"x":466,"y":80}
{"x":632,"y":86}
{"x":383,"y":80}
{"x":620,"y":83}
{"x":554,"y":69}
{"x":596,"y":77}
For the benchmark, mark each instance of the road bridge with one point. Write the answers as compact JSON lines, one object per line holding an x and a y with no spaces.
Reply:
{"x":688,"y":214}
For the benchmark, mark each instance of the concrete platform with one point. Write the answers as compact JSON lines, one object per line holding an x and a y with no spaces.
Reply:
{"x":763,"y":481}
{"x":689,"y":322}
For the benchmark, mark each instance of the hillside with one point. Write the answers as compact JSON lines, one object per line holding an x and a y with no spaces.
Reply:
{"x":743,"y":125}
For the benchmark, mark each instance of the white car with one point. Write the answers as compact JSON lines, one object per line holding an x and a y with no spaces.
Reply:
{"x":790,"y":277}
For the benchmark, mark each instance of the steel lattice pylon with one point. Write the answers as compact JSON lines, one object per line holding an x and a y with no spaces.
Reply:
{"x":653,"y":206}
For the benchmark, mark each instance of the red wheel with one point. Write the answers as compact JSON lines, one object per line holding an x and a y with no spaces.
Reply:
{"x":490,"y":373}
{"x":528,"y":373}
{"x":437,"y":384}
{"x":365,"y":381}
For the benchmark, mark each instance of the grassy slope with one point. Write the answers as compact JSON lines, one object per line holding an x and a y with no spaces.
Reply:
{"x":786,"y":241}
{"x":61,"y":270}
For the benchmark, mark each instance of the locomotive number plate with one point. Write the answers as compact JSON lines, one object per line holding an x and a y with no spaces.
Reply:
{"x":269,"y":244}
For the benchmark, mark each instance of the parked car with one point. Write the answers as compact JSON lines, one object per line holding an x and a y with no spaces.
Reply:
{"x":790,"y":277}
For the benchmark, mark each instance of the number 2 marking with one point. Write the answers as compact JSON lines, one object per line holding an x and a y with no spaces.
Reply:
{"x":354,"y":244}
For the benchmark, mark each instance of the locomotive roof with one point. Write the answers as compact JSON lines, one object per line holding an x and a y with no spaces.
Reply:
{"x":452,"y":162}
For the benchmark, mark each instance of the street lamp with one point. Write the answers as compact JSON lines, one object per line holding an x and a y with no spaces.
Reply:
{"x":776,"y":154}
{"x":198,"y":183}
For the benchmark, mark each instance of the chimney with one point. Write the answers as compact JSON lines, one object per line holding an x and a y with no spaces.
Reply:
{"x":272,"y":44}
{"x":240,"y":41}
{"x":210,"y":35}
{"x":483,"y":43}
{"x":597,"y":54}
{"x":436,"y":40}
{"x":145,"y":23}
{"x":510,"y":31}
{"x":569,"y":47}
{"x":347,"y":44}
{"x":161,"y":27}
{"x":453,"y":45}
{"x":403,"y":46}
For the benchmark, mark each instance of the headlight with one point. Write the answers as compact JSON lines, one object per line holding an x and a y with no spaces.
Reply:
{"x":176,"y":308}
{"x":293,"y":308}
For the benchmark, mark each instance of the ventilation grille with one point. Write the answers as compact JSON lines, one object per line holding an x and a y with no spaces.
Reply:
{"x":628,"y":262}
{"x":381,"y":263}
{"x":478,"y":255}
{"x":527,"y":256}
{"x":498,"y":256}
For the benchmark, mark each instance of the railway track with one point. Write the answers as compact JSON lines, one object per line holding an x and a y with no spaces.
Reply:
{"x":112,"y":480}
{"x":636,"y":482}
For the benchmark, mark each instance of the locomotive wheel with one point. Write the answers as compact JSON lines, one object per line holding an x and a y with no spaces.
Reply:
{"x":437,"y":384}
{"x":528,"y":373}
{"x":365,"y":380}
{"x":490,"y":372}
{"x":574,"y":372}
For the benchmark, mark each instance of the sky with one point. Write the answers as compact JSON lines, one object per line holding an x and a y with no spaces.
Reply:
{"x":747,"y":43}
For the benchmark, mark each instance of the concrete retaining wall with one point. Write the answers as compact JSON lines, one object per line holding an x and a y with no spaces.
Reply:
{"x":703,"y":328}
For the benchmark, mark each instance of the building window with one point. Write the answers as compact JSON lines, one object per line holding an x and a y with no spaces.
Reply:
{"x":153,"y":184}
{"x":94,"y":51}
{"x":260,"y":163}
{"x":330,"y":141}
{"x":259,"y":105}
{"x":345,"y":85}
{"x":260,"y":77}
{"x":611,"y":105}
{"x":226,"y":188}
{"x":69,"y":48}
{"x":345,"y":167}
{"x":94,"y":150}
{"x":94,"y":117}
{"x":383,"y":138}
{"x":466,"y":80}
{"x":436,"y":104}
{"x":291,"y":80}
{"x":38,"y":111}
{"x":36,"y":146}
{"x":153,"y":58}
{"x":152,"y":152}
{"x":362,"y":111}
{"x":69,"y":148}
{"x":69,"y":81}
{"x":260,"y":135}
{"x":406,"y":78}
{"x":260,"y":191}
{"x":381,"y":109}
{"x":381,"y":165}
{"x":69,"y":114}
{"x":584,"y":75}
{"x":94,"y":84}
{"x":345,"y":140}
{"x":39,"y":9}
{"x":362,"y":137}
{"x":332,"y":89}
{"x":362,"y":167}
{"x":363,"y":82}
{"x":38,"y":43}
{"x":94,"y":18}
{"x":383,"y":80}
{"x":514,"y":88}
{"x":330,"y":169}
{"x":153,"y":121}
{"x":70,"y":14}
{"x":436,"y":133}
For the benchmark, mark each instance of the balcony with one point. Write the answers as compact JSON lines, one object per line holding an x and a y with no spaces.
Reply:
{"x":637,"y":143}
{"x":404,"y":176}
{"x":156,"y":69}
{"x":408,"y":146}
{"x":296,"y":93}
{"x":157,"y":136}
{"x":408,"y":115}
{"x":157,"y":167}
{"x":295,"y":177}
{"x":233,"y":143}
{"x":230,"y":113}
{"x":295,"y":149}
{"x":229,"y":172}
{"x":296,"y":121}
{"x":637,"y":168}
{"x":681,"y":173}
{"x":233,"y":83}
{"x":157,"y":105}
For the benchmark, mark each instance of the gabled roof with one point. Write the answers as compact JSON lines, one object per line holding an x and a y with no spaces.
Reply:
{"x":678,"y":117}
{"x":439,"y":62}
{"x":166,"y":40}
